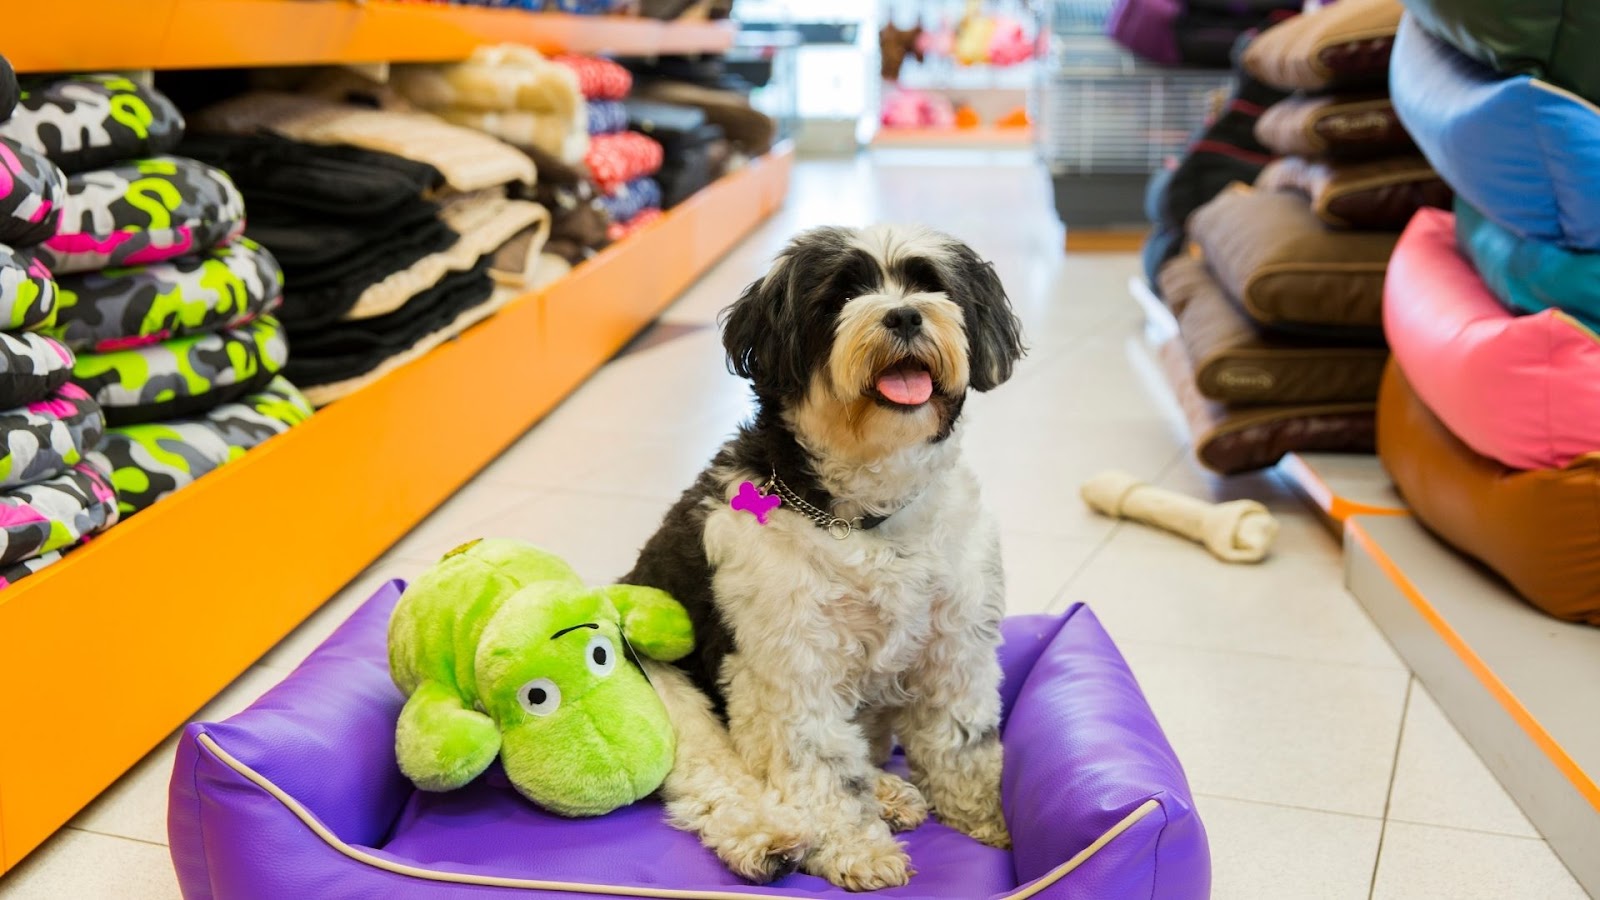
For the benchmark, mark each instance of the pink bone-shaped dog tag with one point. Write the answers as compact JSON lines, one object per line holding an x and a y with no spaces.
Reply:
{"x":751,"y":501}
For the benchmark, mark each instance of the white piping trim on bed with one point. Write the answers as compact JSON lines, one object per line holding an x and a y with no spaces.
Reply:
{"x":575,"y":887}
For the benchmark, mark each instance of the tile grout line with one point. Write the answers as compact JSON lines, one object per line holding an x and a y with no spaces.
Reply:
{"x":1388,"y":799}
{"x":1294,"y":806}
{"x":1055,"y":605}
{"x":1262,"y":654}
{"x":117,"y":837}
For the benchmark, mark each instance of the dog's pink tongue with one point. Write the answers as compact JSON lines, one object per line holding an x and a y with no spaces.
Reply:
{"x":907,"y":387}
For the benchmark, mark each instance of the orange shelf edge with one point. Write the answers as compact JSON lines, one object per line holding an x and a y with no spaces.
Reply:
{"x":168,"y":608}
{"x":1581,"y":781}
{"x":984,"y":136}
{"x":1336,"y":508}
{"x":189,"y":34}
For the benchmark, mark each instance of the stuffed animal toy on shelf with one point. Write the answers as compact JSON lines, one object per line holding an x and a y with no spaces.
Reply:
{"x":502,"y":651}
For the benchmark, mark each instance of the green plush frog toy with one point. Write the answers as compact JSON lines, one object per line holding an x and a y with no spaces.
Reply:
{"x":502,"y":650}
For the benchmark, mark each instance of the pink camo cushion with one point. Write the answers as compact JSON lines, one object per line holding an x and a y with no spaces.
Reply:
{"x":1524,"y":390}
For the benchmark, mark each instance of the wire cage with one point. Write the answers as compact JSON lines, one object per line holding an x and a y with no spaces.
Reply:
{"x":1105,"y":119}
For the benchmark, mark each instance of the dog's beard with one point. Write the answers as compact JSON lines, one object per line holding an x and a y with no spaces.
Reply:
{"x":879,"y":393}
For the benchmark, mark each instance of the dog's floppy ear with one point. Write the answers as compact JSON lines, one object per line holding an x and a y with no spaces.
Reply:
{"x":994,"y":336}
{"x":753,"y":327}
{"x":768,"y":332}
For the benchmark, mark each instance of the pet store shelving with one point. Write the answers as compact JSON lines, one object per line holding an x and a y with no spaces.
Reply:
{"x":190,"y":34}
{"x":267,"y":539}
{"x":1501,"y":670}
{"x":1105,"y":121}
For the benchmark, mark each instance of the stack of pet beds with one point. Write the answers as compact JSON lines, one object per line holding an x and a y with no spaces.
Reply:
{"x":52,"y":497}
{"x":709,"y":85}
{"x":1489,"y":422}
{"x":622,"y":162}
{"x":391,"y":224}
{"x":166,"y":309}
{"x":564,"y":114}
{"x":1221,"y":152}
{"x":1279,"y":307}
{"x":1193,"y":33}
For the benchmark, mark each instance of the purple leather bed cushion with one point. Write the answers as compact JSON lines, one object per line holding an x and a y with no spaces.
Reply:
{"x":299,"y":797}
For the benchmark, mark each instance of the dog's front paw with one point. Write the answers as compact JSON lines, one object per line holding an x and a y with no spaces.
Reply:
{"x":901,"y":806}
{"x":758,"y":839}
{"x":861,"y":862}
{"x":763,"y":858}
{"x":982,"y":822}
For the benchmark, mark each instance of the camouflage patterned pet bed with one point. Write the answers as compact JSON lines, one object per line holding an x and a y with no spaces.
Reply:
{"x":27,"y":292}
{"x":117,"y":309}
{"x":54,"y":514}
{"x":31,"y":189}
{"x":141,"y":212}
{"x":184,"y":376}
{"x":32,"y":366}
{"x":87,"y":121}
{"x":44,"y":439}
{"x":148,"y":462}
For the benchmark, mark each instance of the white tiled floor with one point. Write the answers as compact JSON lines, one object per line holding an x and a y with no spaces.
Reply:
{"x":1322,"y":769}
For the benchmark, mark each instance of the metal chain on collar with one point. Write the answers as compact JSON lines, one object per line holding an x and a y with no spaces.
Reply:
{"x":827,"y":521}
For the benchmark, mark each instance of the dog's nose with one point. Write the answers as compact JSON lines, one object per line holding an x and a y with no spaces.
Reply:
{"x":904,"y":321}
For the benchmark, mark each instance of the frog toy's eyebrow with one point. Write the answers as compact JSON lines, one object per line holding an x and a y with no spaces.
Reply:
{"x":574,"y":628}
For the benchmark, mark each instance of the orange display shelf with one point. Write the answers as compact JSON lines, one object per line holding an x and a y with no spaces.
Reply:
{"x":103,"y":654}
{"x":192,"y":34}
{"x":986,"y":136}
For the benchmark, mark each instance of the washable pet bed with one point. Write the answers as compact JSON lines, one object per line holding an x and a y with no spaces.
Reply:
{"x":28,"y":293}
{"x":1527,"y":275}
{"x":31,"y":189}
{"x":44,"y":439}
{"x":1550,"y":39}
{"x":1287,"y":270}
{"x":300,"y":796}
{"x":1345,"y":45}
{"x":183,"y":376}
{"x":145,"y":211}
{"x":1337,"y":126}
{"x":1234,"y":362}
{"x":115,"y":309}
{"x":50,"y":515}
{"x":148,"y":462}
{"x":1520,"y":150}
{"x":32,"y":366}
{"x":1379,"y":195}
{"x":83,"y":122}
{"x":1539,"y":529}
{"x":1230,"y":440}
{"x":1522,"y":390}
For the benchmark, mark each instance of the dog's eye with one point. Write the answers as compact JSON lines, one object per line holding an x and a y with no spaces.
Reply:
{"x":539,"y":697}
{"x":600,"y":655}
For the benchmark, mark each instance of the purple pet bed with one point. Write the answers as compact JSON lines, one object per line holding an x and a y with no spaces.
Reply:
{"x":299,"y":797}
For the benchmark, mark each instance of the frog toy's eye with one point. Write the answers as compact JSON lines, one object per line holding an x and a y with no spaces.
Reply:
{"x":539,"y":697}
{"x":600,"y":655}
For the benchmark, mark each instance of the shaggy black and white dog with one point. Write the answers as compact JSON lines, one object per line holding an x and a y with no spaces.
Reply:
{"x":867,"y":606}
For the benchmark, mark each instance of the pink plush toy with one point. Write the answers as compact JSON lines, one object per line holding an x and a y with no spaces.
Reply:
{"x":904,"y":108}
{"x":1010,"y":44}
